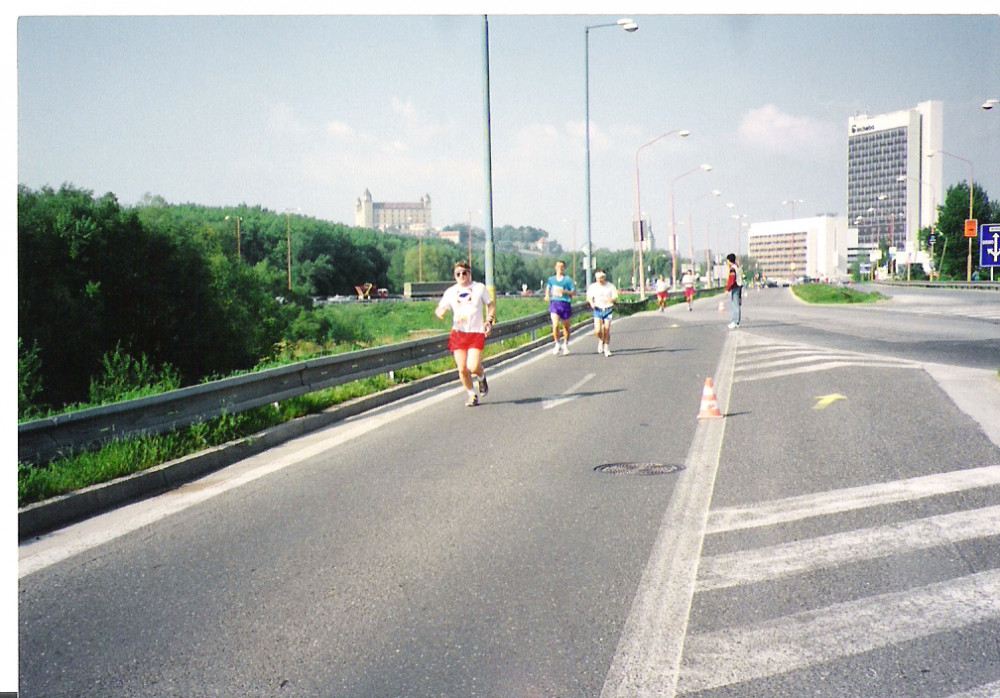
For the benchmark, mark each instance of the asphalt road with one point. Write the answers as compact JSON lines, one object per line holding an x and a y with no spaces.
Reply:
{"x":834,"y":535}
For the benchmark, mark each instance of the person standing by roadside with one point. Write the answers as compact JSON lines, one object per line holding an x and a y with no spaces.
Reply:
{"x":687,"y":281}
{"x":602,"y":296}
{"x":734,"y":284}
{"x":661,"y":293}
{"x":466,"y":301}
{"x":559,"y":290}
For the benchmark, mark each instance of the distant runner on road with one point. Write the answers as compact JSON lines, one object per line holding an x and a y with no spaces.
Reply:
{"x":602,"y":296}
{"x":559,"y":291}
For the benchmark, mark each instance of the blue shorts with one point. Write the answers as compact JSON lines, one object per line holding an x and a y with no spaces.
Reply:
{"x":603,"y":313}
{"x":562,"y":309}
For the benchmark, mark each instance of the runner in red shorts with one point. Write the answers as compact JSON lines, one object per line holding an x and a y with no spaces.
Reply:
{"x":466,"y":300}
{"x":687,"y":281}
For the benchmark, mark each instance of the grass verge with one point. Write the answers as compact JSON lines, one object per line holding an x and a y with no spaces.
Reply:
{"x":36,"y":483}
{"x":825,"y":294}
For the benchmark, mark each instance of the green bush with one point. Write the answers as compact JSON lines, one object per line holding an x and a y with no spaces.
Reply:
{"x":125,"y":378}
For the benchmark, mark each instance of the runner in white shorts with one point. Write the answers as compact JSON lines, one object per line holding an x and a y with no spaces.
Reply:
{"x":602,"y":295}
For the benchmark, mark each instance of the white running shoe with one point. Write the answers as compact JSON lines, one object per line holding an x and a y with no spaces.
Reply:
{"x":600,"y":346}
{"x":565,"y":348}
{"x":732,"y":325}
{"x":555,"y":349}
{"x":607,"y":350}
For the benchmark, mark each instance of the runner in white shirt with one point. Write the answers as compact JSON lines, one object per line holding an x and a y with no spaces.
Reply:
{"x":602,"y":295}
{"x":661,"y":293}
{"x":687,"y":281}
{"x":466,"y":300}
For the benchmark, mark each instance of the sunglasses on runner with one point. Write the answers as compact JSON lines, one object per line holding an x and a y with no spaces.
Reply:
{"x":462,"y":272}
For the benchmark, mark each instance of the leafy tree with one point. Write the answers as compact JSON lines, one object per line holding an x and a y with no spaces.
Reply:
{"x":951,"y":246}
{"x":93,"y":276}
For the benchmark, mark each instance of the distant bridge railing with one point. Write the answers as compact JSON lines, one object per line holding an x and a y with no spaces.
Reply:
{"x":43,"y":440}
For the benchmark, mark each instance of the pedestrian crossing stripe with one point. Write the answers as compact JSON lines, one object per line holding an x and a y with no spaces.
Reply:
{"x":761,"y":359}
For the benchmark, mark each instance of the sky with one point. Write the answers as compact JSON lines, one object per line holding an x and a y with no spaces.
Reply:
{"x":223,"y":104}
{"x":305,"y":112}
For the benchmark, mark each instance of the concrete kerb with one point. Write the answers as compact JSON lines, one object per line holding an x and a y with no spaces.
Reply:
{"x":43,"y":517}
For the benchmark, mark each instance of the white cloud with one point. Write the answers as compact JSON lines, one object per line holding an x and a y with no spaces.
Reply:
{"x":339,"y":129}
{"x":283,"y":120}
{"x":770,"y":129}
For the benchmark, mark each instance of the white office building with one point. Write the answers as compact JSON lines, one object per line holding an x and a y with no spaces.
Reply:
{"x":893,"y":179}
{"x":815,"y":247}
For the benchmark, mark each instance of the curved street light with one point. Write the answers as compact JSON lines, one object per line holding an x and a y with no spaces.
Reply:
{"x":716,"y":193}
{"x":673,"y":221}
{"x":638,"y":207}
{"x":629,"y":26}
{"x":971,"y":190}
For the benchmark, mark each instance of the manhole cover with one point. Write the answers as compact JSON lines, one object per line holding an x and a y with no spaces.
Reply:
{"x":638,"y":468}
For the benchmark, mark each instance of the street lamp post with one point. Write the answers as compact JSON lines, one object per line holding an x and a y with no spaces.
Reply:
{"x":792,"y":202}
{"x":638,"y":206}
{"x":288,"y":242}
{"x":903,"y":178}
{"x":629,"y":26}
{"x":714,"y":192}
{"x":968,"y":273}
{"x":673,"y":221}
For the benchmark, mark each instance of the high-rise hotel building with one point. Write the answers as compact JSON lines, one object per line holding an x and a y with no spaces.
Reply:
{"x":893,"y":183}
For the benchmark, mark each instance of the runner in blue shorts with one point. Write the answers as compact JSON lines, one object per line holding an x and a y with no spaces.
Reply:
{"x":559,"y":292}
{"x":602,"y":295}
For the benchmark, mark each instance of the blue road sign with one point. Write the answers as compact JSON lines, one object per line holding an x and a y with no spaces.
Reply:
{"x":989,"y":245}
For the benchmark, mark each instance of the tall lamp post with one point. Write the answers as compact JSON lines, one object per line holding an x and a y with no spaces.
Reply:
{"x":792,"y":202}
{"x":288,"y":242}
{"x":714,"y":192}
{"x":638,"y":207}
{"x":971,"y":190}
{"x":673,"y":221}
{"x":903,"y":178}
{"x":629,"y":26}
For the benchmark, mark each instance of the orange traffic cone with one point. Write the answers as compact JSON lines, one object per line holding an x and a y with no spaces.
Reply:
{"x":709,"y":405}
{"x":722,"y":306}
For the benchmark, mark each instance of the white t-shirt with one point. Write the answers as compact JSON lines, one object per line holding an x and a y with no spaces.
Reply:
{"x":687,"y":281}
{"x":602,"y":296}
{"x":662,"y":285}
{"x":466,"y":304}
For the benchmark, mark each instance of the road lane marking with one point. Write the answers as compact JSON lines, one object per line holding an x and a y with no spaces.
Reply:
{"x":825,"y":401}
{"x":647,"y":659}
{"x":849,"y":499}
{"x":569,"y":394}
{"x":777,"y":561}
{"x":990,"y":690}
{"x":801,"y":640}
{"x":826,"y":366}
{"x":51,"y":548}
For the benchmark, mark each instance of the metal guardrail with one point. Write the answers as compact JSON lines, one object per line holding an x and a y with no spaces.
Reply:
{"x":43,"y":440}
{"x":975,"y":285}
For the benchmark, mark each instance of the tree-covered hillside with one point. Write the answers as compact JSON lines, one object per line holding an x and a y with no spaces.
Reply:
{"x":166,"y":293}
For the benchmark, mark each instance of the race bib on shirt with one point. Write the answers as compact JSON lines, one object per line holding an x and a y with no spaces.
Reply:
{"x":466,"y":304}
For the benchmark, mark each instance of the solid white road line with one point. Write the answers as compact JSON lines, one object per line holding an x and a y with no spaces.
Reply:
{"x":39,"y":553}
{"x":991,"y":690}
{"x":776,"y":561}
{"x":569,"y":393}
{"x":809,"y":638}
{"x":647,"y":659}
{"x":823,"y":503}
